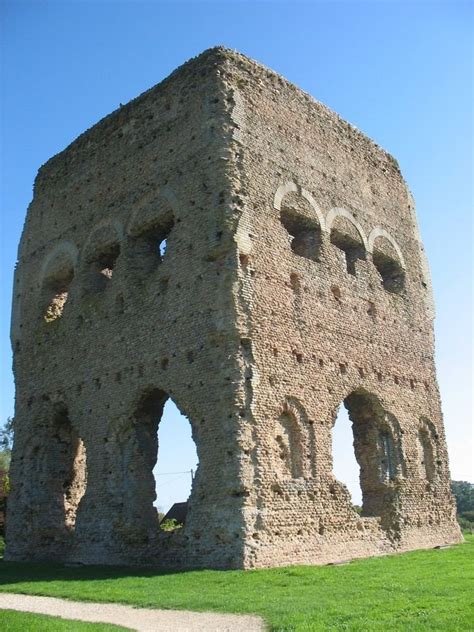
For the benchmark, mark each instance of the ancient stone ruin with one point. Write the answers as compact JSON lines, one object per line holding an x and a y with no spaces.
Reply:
{"x":225,"y":241}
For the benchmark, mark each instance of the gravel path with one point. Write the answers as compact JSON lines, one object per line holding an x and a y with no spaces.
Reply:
{"x":144,"y":620}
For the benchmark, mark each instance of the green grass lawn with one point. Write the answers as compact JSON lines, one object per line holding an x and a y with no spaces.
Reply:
{"x":12,"y":621}
{"x":423,"y":590}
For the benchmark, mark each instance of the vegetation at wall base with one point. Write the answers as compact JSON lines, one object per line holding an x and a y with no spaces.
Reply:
{"x":417,"y":591}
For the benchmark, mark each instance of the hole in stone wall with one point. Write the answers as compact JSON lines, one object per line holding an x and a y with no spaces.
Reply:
{"x":336,"y":292}
{"x":345,"y":466}
{"x":55,"y":292}
{"x":244,"y":260}
{"x":377,"y":450}
{"x":305,"y":234}
{"x":391,"y":272}
{"x":345,"y":236}
{"x":162,"y":246}
{"x":152,"y":244}
{"x":106,"y":261}
{"x":165,"y":472}
{"x":102,"y":265}
{"x":175,"y":469}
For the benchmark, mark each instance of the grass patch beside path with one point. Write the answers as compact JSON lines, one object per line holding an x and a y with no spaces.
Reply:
{"x":423,"y":590}
{"x":12,"y":621}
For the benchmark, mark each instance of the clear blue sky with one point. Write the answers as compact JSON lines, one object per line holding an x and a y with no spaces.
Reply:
{"x":400,"y":71}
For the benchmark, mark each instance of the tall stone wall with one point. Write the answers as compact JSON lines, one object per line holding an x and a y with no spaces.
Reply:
{"x":228,"y":242}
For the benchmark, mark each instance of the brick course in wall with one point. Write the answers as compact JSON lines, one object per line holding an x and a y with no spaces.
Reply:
{"x":228,"y":242}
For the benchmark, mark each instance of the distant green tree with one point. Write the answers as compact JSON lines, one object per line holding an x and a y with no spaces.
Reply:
{"x":464,"y":494}
{"x":6,"y":443}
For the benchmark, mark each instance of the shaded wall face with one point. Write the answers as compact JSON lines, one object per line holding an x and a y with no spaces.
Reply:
{"x":124,"y":289}
{"x":338,"y":304}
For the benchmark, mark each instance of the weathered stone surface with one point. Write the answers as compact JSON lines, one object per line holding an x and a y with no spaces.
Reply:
{"x":293,"y":279}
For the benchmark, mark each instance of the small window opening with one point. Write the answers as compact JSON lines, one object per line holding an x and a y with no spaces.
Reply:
{"x":162,"y":248}
{"x":152,"y":244}
{"x":56,"y":289}
{"x":391,"y":272}
{"x":305,"y":234}
{"x":352,"y":249}
{"x":106,"y":261}
{"x":102,"y":267}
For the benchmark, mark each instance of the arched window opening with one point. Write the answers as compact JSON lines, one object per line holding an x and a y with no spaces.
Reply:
{"x":151,"y":232}
{"x":305,"y":235}
{"x":377,"y":451}
{"x":426,"y":455}
{"x":388,"y":266}
{"x":153,"y":242}
{"x":56,"y":288}
{"x":297,"y":217}
{"x":345,"y":236}
{"x":165,"y":473}
{"x":68,"y":475}
{"x":104,"y":264}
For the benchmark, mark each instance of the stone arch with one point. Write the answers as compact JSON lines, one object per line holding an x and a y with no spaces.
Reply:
{"x":55,"y":279}
{"x":302,"y":219}
{"x":140,"y":451}
{"x":388,"y":259}
{"x":347,"y":235}
{"x":377,"y":448}
{"x":377,"y":232}
{"x":427,"y":449}
{"x":289,"y":187}
{"x":342,"y":212}
{"x":100,"y":253}
{"x":149,"y":230}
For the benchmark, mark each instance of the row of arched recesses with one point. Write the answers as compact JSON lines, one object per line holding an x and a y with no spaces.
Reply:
{"x":305,"y":224}
{"x":147,"y":238}
{"x":369,"y":457}
{"x":57,"y":459}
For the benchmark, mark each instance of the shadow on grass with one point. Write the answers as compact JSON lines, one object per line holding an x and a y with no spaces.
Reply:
{"x":18,"y":572}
